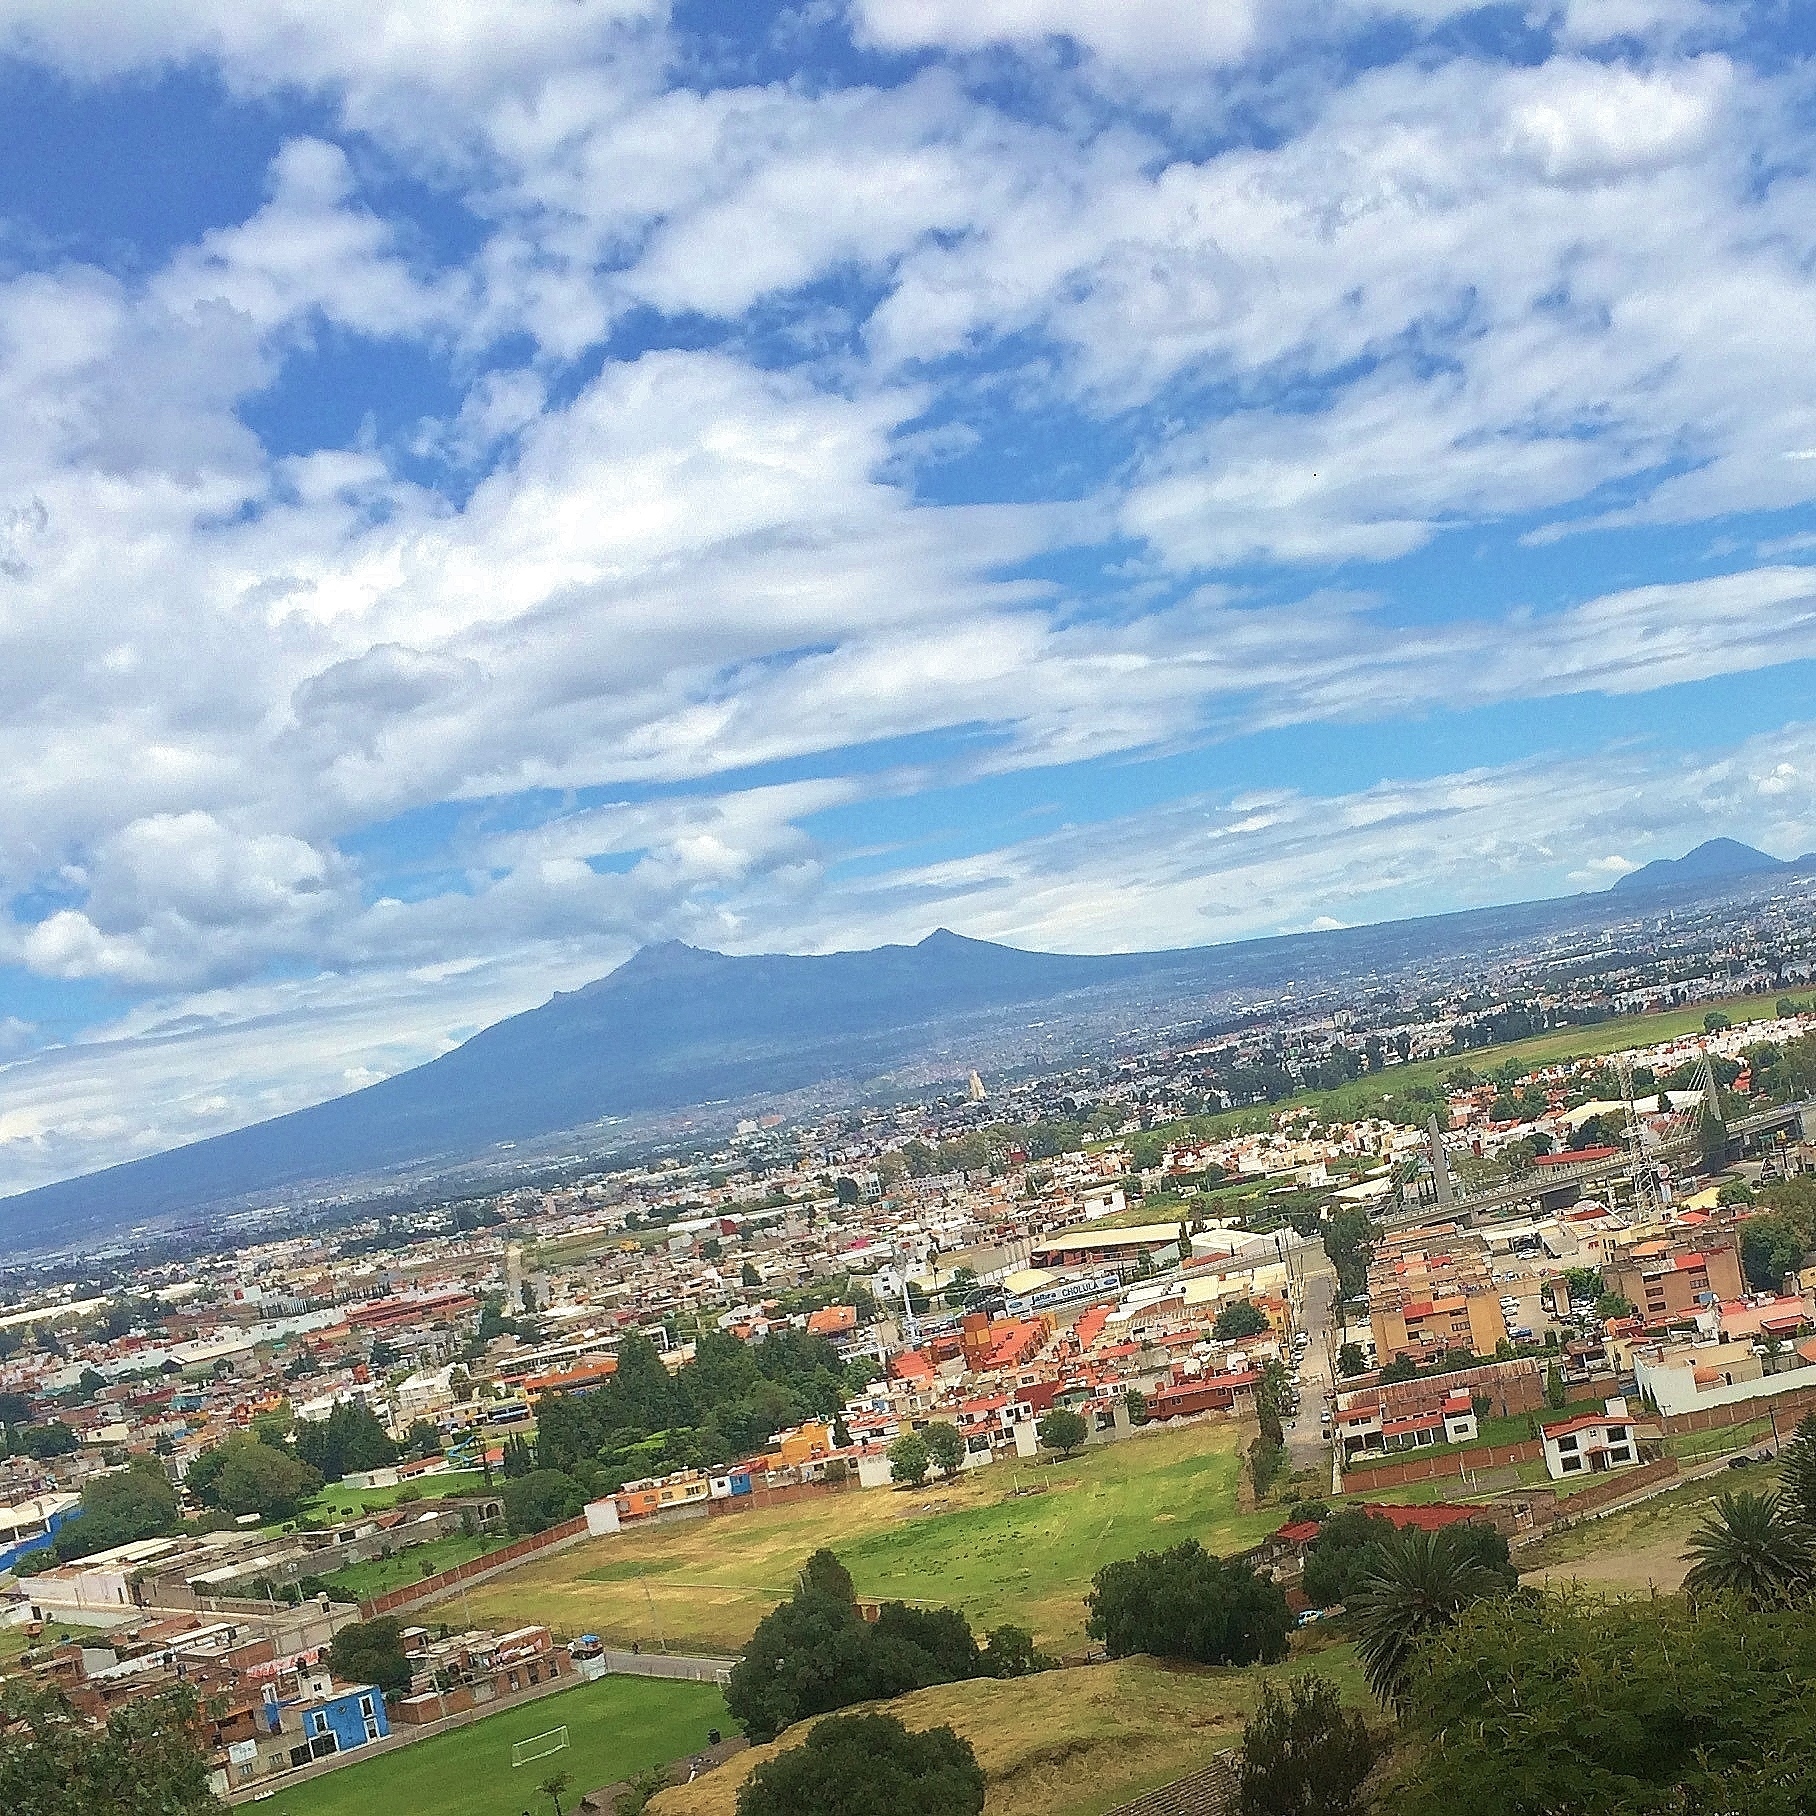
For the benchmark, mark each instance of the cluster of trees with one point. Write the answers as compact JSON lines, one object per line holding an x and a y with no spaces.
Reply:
{"x":1774,"y":1242}
{"x":868,"y":1762}
{"x":1186,"y":1603}
{"x":143,"y":1762}
{"x":1353,"y":1547}
{"x":19,"y":1437}
{"x":245,"y":1475}
{"x":726,"y":1403}
{"x":1537,"y":1703}
{"x":1530,"y":1703}
{"x":352,"y":1438}
{"x":816,"y":1653}
{"x":1349,"y":1242}
{"x":371,"y":1652}
{"x":137,"y":1502}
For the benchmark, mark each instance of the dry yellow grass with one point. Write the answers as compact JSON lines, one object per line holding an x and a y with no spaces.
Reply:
{"x":1065,"y":1743}
{"x":975,"y":1544}
{"x":1636,"y":1552}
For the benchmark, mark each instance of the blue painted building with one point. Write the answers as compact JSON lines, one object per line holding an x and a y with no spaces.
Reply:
{"x":348,"y":1718}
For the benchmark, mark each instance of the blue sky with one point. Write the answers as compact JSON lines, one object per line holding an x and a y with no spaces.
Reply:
{"x":493,"y":484}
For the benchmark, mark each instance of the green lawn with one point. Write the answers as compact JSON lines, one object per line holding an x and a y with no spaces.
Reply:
{"x":616,"y":1727}
{"x":973,"y":1543}
{"x":357,"y":1581}
{"x":338,"y":1499}
{"x":1363,"y":1096}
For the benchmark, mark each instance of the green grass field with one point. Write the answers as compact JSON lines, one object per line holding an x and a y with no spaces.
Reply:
{"x":358,"y":1581}
{"x":974,"y":1543}
{"x":616,"y":1728}
{"x":338,"y":1499}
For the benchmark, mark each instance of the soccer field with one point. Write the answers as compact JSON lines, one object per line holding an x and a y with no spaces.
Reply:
{"x":975,"y":1543}
{"x":616,"y":1727}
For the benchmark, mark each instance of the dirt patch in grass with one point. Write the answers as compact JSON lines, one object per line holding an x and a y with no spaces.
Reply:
{"x":1636,"y":1551}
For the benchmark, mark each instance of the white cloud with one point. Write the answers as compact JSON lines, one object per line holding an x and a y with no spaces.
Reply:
{"x":1136,"y":34}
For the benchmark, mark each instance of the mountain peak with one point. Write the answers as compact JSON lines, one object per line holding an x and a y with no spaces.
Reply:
{"x":1714,"y":860}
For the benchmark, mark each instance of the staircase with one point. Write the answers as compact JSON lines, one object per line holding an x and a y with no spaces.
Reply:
{"x":1213,"y":1790}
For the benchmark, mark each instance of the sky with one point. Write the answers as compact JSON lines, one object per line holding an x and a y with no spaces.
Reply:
{"x":487,"y":486}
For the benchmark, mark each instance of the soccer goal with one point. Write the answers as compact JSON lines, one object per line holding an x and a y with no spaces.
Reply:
{"x":538,"y":1746}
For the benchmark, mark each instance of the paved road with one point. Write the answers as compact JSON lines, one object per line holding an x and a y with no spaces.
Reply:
{"x":1316,"y":1292}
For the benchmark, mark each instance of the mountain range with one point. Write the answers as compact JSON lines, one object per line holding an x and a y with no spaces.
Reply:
{"x":1713,"y":861}
{"x":676,"y":1027}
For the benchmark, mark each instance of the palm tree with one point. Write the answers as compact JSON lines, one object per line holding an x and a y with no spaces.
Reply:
{"x":553,"y":1786}
{"x":1797,"y":1472}
{"x":1418,"y":1584}
{"x":1754,"y":1547}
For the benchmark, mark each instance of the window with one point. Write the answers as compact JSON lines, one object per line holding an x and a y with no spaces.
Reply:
{"x":1567,"y":1443}
{"x":1571,"y":1463}
{"x":365,"y":1707}
{"x":1617,"y":1434}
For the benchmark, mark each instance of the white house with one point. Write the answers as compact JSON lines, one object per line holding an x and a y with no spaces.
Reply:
{"x":1591,"y":1442}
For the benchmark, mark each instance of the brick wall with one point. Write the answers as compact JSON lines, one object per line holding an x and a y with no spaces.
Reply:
{"x":1430,"y":1469}
{"x":471,"y":1571}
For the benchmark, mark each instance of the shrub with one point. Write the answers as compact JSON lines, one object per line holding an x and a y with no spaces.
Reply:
{"x":1186,"y":1603}
{"x":868,"y":1762}
{"x":1304,"y":1754}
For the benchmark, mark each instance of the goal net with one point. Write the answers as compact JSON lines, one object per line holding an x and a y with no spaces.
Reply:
{"x":538,"y":1746}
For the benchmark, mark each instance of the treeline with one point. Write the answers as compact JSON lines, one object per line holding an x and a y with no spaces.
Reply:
{"x":726,"y":1403}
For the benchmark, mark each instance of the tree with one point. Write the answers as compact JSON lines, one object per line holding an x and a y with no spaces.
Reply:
{"x":1304,"y":1754}
{"x":1715,"y":1022}
{"x":1351,"y":1361}
{"x":1612,"y":1305}
{"x":1420,"y":1583}
{"x":137,"y":1502}
{"x":1797,"y":1472}
{"x":1343,"y":1554}
{"x":1540,"y":1704}
{"x":748,"y":1274}
{"x":555,"y":1785}
{"x":1186,"y":1603}
{"x":1239,"y":1319}
{"x":1062,"y":1429}
{"x":942,"y":1635}
{"x":242,"y":1475}
{"x":1011,"y":1652}
{"x":144,"y":1762}
{"x":1712,"y":1138}
{"x":823,"y":1574}
{"x":518,"y":1460}
{"x":1771,"y":1246}
{"x":541,"y":1499}
{"x":371,"y":1652}
{"x":945,"y":1448}
{"x":1554,"y":1387}
{"x":1752,"y":1547}
{"x":852,"y":1763}
{"x":814,"y":1653}
{"x":422,"y":1440}
{"x":909,"y":1460}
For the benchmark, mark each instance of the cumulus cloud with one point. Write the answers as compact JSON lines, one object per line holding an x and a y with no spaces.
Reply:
{"x":798,"y":443}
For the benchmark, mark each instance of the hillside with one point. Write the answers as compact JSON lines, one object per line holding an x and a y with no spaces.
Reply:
{"x":1712,"y":862}
{"x":676,"y":1028}
{"x":1064,"y":1743}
